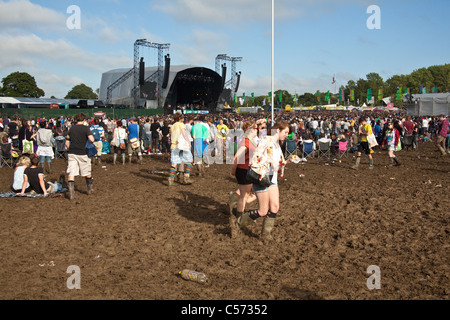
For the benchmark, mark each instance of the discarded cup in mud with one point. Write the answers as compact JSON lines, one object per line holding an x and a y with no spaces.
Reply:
{"x":192,"y":275}
{"x":301,"y":175}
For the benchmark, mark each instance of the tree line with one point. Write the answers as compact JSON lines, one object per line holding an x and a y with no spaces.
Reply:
{"x":23,"y":85}
{"x":424,"y":80}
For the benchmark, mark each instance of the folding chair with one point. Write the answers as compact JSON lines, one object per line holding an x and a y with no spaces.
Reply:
{"x":308,"y":150}
{"x":60,"y":147}
{"x":291,"y":148}
{"x":324,"y":150}
{"x":6,"y":156}
{"x":343,"y":149}
{"x":408,"y":141}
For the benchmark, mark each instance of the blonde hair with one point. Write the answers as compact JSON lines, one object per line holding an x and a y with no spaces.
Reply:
{"x":248,"y":125}
{"x":23,"y":161}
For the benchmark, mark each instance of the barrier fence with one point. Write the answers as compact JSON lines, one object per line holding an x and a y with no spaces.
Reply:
{"x":30,"y":114}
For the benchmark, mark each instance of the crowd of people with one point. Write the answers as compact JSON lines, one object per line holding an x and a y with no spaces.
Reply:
{"x":252,"y":144}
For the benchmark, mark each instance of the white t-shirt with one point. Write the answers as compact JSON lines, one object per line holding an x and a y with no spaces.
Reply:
{"x":277,"y":152}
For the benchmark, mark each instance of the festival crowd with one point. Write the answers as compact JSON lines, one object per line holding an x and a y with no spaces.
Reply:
{"x":252,"y":144}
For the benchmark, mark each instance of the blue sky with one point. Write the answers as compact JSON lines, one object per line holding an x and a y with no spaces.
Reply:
{"x":314,"y":39}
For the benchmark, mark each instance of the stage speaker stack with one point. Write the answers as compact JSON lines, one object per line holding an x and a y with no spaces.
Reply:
{"x":224,"y":74}
{"x":166,"y":72}
{"x":141,"y":72}
{"x":238,"y":74}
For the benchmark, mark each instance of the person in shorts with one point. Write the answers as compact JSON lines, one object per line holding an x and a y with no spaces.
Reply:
{"x":79,"y":164}
{"x":180,"y":154}
{"x":239,"y":169}
{"x":365,"y":130}
{"x":268,"y":158}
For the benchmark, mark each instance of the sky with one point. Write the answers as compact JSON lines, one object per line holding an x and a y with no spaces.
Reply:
{"x":315,"y":40}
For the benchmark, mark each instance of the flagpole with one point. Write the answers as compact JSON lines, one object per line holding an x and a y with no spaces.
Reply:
{"x":273,"y":60}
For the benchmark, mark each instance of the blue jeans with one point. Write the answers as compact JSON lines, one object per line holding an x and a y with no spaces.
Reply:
{"x":57,"y":187}
{"x":46,"y":158}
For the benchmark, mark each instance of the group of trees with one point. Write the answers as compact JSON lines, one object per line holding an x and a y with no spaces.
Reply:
{"x":434,"y":78}
{"x":21,"y":84}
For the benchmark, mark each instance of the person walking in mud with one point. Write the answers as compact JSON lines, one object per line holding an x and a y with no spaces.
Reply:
{"x":442,"y":131}
{"x":269,"y":159}
{"x":365,"y":130}
{"x":79,"y":164}
{"x":180,"y":150}
{"x":241,"y":197}
{"x":391,"y":139}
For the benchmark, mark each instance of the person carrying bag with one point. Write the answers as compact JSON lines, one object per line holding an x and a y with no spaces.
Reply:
{"x":267,"y":164}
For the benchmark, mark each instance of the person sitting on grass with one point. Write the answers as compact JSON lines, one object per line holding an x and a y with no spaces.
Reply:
{"x":22,"y":164}
{"x":34,"y":175}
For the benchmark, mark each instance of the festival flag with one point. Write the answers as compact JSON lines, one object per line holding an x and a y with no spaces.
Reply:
{"x":407,"y":91}
{"x":435,"y":89}
{"x":399,"y":94}
{"x":423,"y":90}
{"x":327,"y":96}
{"x":243,"y":95}
{"x":352,"y":95}
{"x":318,"y":95}
{"x":295,"y":97}
{"x":334,"y":80}
{"x":369,"y":94}
{"x":280,"y":96}
{"x":341,"y":95}
{"x":380,"y":94}
{"x":253,"y":96}
{"x":235,"y":98}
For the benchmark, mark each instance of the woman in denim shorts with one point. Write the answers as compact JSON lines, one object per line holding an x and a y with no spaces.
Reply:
{"x":269,"y":158}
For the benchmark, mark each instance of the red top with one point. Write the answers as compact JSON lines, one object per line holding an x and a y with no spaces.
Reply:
{"x":409,"y":126}
{"x":248,"y":153}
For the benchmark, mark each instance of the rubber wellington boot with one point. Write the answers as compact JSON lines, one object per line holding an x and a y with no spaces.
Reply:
{"x":114,"y":158}
{"x":71,"y":187}
{"x":244,"y":221}
{"x":397,"y":163}
{"x":171,"y":180}
{"x":235,"y":230}
{"x":89,"y":183}
{"x":140,"y":160}
{"x":186,"y":179}
{"x":370,"y":164}
{"x":267,"y":227}
{"x":356,"y":165}
{"x":232,"y":201}
{"x":123,"y":159}
{"x":391,"y":162}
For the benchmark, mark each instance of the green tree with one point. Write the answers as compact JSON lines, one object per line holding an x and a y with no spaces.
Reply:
{"x":441,"y":77}
{"x":20,"y":84}
{"x":308,"y":99}
{"x":81,"y":91}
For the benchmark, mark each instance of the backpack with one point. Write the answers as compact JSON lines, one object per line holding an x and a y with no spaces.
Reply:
{"x":96,"y":134}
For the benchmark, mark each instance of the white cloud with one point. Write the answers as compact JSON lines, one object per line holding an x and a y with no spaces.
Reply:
{"x":237,"y":12}
{"x":225,"y":12}
{"x":22,"y":14}
{"x":30,"y":53}
{"x":201,"y":47}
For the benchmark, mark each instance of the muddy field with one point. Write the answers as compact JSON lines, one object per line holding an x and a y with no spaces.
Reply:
{"x":132,"y":236}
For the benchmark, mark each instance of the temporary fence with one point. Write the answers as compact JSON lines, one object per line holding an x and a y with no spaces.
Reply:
{"x":31,"y":113}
